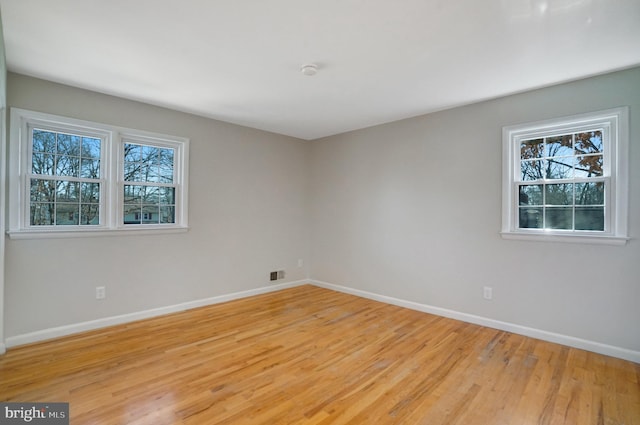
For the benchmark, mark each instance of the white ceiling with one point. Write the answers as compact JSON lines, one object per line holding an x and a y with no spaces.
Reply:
{"x":379,"y":60}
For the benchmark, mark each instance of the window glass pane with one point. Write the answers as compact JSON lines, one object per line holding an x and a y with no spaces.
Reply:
{"x":150,"y":214}
{"x":67,"y":191}
{"x":530,"y":149}
{"x":590,"y":193}
{"x":559,"y":218}
{"x":90,"y":193}
{"x":531,"y":194}
{"x":588,"y":142}
{"x":44,"y":141}
{"x":89,"y":214}
{"x":43,"y":190}
{"x":590,"y":218}
{"x":559,"y":168}
{"x":165,"y":175}
{"x":147,"y":173}
{"x":90,"y":168}
{"x":42,"y":214}
{"x":67,"y":214}
{"x":167,"y":195}
{"x":530,"y":218}
{"x":531,"y":170}
{"x":131,"y":214}
{"x":132,"y":153}
{"x":150,"y":173}
{"x":559,"y":194}
{"x":150,"y":154}
{"x":42,"y":163}
{"x":559,"y":146}
{"x":132,"y":172}
{"x":167,"y":214}
{"x":91,"y":148}
{"x":68,"y":166}
{"x":165,"y":157}
{"x":68,"y":145}
{"x":150,"y":195}
{"x":133,"y":194}
{"x":589,"y":166}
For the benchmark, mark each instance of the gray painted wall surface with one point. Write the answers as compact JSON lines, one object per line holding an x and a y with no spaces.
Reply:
{"x":412,"y":210}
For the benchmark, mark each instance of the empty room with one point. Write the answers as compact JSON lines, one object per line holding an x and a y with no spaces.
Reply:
{"x":338,"y":212}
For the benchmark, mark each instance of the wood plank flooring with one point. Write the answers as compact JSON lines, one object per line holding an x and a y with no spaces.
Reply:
{"x":308,"y":355}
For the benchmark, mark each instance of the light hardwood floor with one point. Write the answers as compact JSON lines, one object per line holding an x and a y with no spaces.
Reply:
{"x":308,"y":355}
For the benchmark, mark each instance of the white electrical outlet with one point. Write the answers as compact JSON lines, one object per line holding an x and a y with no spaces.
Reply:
{"x":488,"y":293}
{"x":101,"y":292}
{"x":300,"y":262}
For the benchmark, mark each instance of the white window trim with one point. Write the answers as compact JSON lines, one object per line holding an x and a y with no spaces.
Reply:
{"x":616,"y":171}
{"x":112,"y":202}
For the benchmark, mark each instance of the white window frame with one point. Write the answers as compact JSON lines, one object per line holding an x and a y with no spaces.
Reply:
{"x":111,"y":177}
{"x":615,"y":123}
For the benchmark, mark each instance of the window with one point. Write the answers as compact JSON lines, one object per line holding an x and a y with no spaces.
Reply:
{"x":64,"y":177}
{"x":148,"y":184}
{"x":74,"y":178}
{"x":566,"y":179}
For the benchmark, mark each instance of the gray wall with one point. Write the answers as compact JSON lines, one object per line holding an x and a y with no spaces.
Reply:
{"x":247,"y":216}
{"x":412,"y":210}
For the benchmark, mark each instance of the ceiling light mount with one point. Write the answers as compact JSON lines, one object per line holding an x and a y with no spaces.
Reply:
{"x":309,"y":69}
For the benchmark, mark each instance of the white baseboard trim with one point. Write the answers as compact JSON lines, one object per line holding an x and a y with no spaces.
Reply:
{"x":60,"y":331}
{"x":596,"y":347}
{"x":3,"y":348}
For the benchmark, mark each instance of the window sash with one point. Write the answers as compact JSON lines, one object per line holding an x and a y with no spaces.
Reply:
{"x":545,"y":205}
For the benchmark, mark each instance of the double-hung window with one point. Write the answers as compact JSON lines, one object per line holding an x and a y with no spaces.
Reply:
{"x":149,"y":184}
{"x":566,"y":179}
{"x":75,"y":178}
{"x":64,"y":176}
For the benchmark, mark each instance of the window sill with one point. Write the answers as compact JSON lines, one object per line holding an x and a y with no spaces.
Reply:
{"x":91,"y":233}
{"x":554,"y":237}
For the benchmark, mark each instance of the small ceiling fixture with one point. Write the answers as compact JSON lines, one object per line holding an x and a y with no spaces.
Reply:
{"x":309,"y":69}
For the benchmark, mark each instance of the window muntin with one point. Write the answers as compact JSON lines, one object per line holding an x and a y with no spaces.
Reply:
{"x":67,"y":178}
{"x":566,"y":179}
